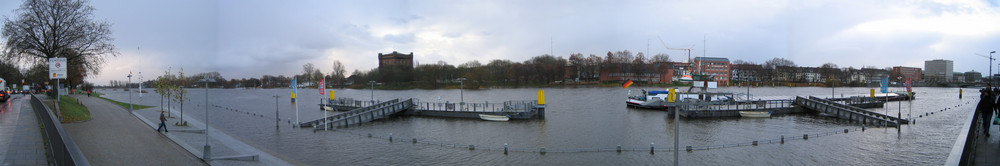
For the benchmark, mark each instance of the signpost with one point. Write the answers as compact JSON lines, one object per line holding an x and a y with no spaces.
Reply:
{"x":57,"y":70}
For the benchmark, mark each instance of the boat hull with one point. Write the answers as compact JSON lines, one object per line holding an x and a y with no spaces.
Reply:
{"x":755,"y":114}
{"x":498,"y":118}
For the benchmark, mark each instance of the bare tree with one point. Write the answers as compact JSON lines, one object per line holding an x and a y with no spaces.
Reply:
{"x":660,"y":58}
{"x":45,"y":29}
{"x":338,"y":72}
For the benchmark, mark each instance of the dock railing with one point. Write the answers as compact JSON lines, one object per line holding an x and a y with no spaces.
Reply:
{"x":746,"y":105}
{"x":508,"y":106}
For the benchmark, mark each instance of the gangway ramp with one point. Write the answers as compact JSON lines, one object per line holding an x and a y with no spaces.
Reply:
{"x":362,"y":115}
{"x":848,"y":112}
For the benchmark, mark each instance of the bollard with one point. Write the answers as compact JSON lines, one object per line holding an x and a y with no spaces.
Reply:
{"x":542,"y":151}
{"x":754,"y":143}
{"x":782,"y":139}
{"x":505,"y":148}
{"x":472,"y":147}
{"x":414,"y":140}
{"x":805,"y":136}
{"x":619,"y":150}
{"x":390,"y":137}
{"x":845,"y":130}
{"x":689,"y":148}
{"x":650,"y":148}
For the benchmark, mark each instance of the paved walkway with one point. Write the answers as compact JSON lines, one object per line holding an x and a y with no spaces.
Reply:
{"x":192,"y":138}
{"x":116,"y":137}
{"x":988,"y":149}
{"x":21,"y":140}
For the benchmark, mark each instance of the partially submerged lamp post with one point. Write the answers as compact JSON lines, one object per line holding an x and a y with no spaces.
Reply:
{"x":373,"y":91}
{"x":461,"y":88}
{"x":129,"y":93}
{"x":208,"y":148}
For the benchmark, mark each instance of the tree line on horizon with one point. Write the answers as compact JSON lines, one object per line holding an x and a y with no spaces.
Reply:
{"x":542,"y":70}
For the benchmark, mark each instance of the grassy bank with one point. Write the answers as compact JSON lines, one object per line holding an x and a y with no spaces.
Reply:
{"x":72,"y":111}
{"x":123,"y":105}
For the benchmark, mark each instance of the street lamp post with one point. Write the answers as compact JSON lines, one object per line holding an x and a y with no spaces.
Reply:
{"x":208,"y":148}
{"x":991,"y":66}
{"x":276,"y":118}
{"x":373,"y":91}
{"x":461,"y":88}
{"x":130,"y":92}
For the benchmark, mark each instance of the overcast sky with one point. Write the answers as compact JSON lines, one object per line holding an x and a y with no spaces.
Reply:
{"x":243,"y":39}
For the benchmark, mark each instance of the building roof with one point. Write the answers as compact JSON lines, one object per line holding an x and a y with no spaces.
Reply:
{"x":715,"y":59}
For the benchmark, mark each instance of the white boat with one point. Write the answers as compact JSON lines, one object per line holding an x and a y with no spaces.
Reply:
{"x":327,"y":108}
{"x":755,"y":114}
{"x":501,"y":118}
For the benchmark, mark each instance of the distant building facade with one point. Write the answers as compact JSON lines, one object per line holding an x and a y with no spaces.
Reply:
{"x":938,"y":70}
{"x":718,"y":67}
{"x":396,"y":67}
{"x":913,"y":73}
{"x":973,"y":77}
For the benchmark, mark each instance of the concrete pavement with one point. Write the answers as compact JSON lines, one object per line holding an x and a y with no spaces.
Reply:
{"x":116,"y":137}
{"x":21,"y":140}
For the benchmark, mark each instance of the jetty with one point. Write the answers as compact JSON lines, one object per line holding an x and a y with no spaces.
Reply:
{"x":367,"y":111}
{"x":848,"y":112}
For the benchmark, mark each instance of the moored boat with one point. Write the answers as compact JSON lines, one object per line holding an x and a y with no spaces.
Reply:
{"x":755,"y":114}
{"x":500,"y":118}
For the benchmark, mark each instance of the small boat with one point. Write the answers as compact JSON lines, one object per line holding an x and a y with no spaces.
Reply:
{"x":327,"y":108}
{"x":755,"y":114}
{"x":501,"y":118}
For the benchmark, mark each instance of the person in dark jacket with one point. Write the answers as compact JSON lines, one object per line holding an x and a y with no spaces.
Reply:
{"x":986,"y":107}
{"x":163,"y":123}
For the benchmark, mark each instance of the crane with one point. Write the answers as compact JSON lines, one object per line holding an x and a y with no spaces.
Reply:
{"x":684,"y":49}
{"x":989,"y":75}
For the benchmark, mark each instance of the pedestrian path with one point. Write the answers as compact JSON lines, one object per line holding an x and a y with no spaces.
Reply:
{"x":114,"y":137}
{"x":988,"y":148}
{"x":21,"y":141}
{"x":225,"y":150}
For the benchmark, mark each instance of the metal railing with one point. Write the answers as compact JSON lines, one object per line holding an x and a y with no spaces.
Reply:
{"x":859,"y":110}
{"x":964,"y":150}
{"x":508,"y":106}
{"x":746,"y":105}
{"x":60,"y":145}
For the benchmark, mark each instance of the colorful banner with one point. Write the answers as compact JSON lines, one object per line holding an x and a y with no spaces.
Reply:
{"x":885,"y":85}
{"x":294,"y":87}
{"x":908,"y":86}
{"x":627,"y":84}
{"x":322,"y":86}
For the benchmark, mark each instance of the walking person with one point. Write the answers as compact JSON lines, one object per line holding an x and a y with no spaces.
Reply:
{"x":986,"y":108}
{"x":163,"y":123}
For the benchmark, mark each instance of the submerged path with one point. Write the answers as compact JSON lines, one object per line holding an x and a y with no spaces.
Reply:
{"x":116,"y":137}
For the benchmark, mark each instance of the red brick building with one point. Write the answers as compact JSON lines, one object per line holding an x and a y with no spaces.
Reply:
{"x":718,"y":67}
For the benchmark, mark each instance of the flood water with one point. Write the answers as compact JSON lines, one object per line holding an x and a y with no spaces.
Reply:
{"x":583,"y":126}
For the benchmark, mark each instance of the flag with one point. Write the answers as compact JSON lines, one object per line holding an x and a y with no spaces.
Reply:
{"x":294,"y":87}
{"x":908,"y":86}
{"x":322,"y":86}
{"x":627,"y":83}
{"x":885,"y":85}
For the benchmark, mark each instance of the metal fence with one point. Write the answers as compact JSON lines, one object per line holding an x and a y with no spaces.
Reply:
{"x":746,"y":105}
{"x":508,"y":106}
{"x":60,"y":145}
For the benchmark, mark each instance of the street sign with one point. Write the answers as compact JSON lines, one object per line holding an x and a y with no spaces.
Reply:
{"x":57,"y":68}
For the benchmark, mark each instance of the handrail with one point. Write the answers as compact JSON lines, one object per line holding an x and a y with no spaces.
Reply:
{"x":64,"y":151}
{"x":963,"y":152}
